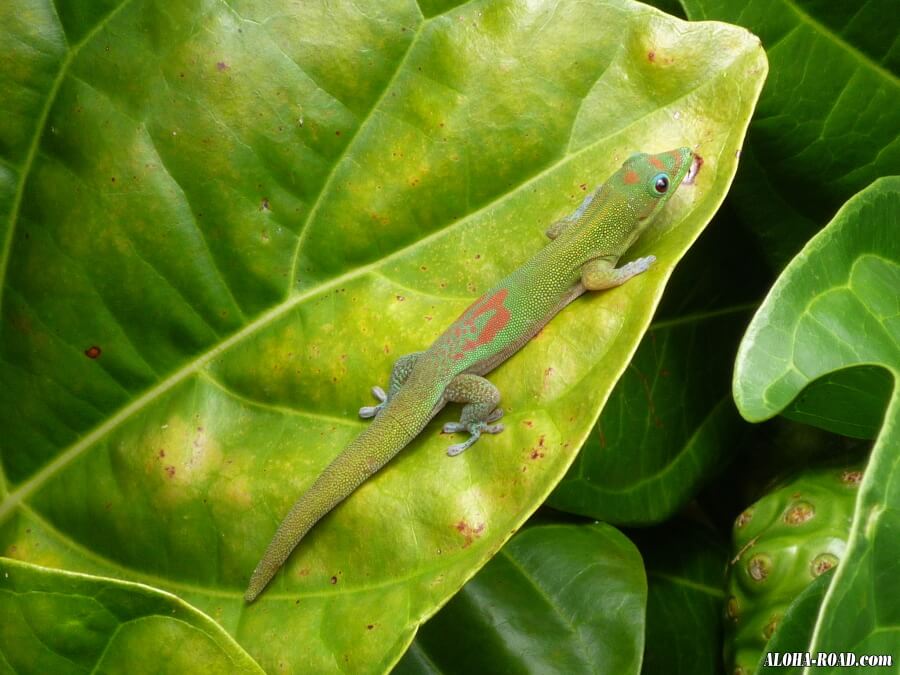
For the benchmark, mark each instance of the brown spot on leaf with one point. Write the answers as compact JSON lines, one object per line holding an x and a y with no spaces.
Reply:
{"x":851,"y":478}
{"x":651,"y":56}
{"x":170,"y":471}
{"x":221,"y":66}
{"x":92,"y":352}
{"x":264,"y":204}
{"x":333,"y":580}
{"x":468,"y":532}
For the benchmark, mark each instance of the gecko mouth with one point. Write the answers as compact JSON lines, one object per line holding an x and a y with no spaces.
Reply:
{"x":694,"y":170}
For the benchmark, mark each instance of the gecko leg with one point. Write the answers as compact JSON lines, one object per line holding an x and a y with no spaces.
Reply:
{"x":557,"y":228}
{"x":401,"y":370}
{"x":601,"y":273}
{"x":480,"y":409}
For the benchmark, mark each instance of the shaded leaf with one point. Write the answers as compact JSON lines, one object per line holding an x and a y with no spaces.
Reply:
{"x":685,"y":595}
{"x":556,"y":598}
{"x":826,"y":124}
{"x":849,"y":402}
{"x":228,"y":220}
{"x":835,"y":307}
{"x":60,"y":622}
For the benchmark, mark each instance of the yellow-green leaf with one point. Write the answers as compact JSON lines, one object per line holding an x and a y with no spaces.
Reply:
{"x":62,"y":622}
{"x":224,"y":221}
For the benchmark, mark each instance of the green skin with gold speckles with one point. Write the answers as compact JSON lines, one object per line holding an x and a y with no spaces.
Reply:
{"x":582,"y":255}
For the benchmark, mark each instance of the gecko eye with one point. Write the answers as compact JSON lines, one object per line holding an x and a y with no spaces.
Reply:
{"x":660,"y":183}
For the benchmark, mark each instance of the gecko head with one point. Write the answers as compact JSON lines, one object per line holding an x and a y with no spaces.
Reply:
{"x":649,"y":181}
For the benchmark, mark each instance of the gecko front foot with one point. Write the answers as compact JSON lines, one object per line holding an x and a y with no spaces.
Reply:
{"x":475,"y":430}
{"x":368,"y":411}
{"x":635,"y":267}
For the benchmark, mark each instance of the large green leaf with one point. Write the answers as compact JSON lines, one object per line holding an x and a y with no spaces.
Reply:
{"x":224,"y":221}
{"x":670,"y":421}
{"x":827,"y":122}
{"x":556,"y":598}
{"x":836,"y":307}
{"x":61,"y":622}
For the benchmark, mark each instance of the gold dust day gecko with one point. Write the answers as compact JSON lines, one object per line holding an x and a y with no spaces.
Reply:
{"x":581,"y":256}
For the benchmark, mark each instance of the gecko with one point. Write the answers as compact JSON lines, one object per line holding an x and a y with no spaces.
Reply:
{"x":582,"y":255}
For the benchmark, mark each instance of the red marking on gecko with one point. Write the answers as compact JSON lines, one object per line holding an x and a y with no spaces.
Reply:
{"x":494,"y":325}
{"x":658,"y":164}
{"x":631,"y":177}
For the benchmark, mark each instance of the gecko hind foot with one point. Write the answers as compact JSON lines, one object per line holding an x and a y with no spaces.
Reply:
{"x":453,"y":427}
{"x":475,"y":430}
{"x":368,"y":411}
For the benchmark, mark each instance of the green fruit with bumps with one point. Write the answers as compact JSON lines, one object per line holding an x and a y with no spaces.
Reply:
{"x":781,"y":543}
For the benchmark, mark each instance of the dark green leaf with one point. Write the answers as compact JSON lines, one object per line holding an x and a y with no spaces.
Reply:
{"x":849,"y":402}
{"x":557,"y":598}
{"x":685,"y":563}
{"x":827,"y":122}
{"x":225,"y":221}
{"x":835,"y":307}
{"x":59,"y":622}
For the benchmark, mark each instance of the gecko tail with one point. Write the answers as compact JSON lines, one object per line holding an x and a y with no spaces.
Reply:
{"x":387,"y":435}
{"x":291,"y":530}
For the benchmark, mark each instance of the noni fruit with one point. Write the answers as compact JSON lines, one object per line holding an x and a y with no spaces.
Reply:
{"x":780,"y":544}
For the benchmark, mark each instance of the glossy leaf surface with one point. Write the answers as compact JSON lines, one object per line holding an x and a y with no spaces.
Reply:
{"x":836,"y":307}
{"x":225,"y":221}
{"x":827,"y":122}
{"x":556,"y":598}
{"x":60,"y":622}
{"x":684,"y":563}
